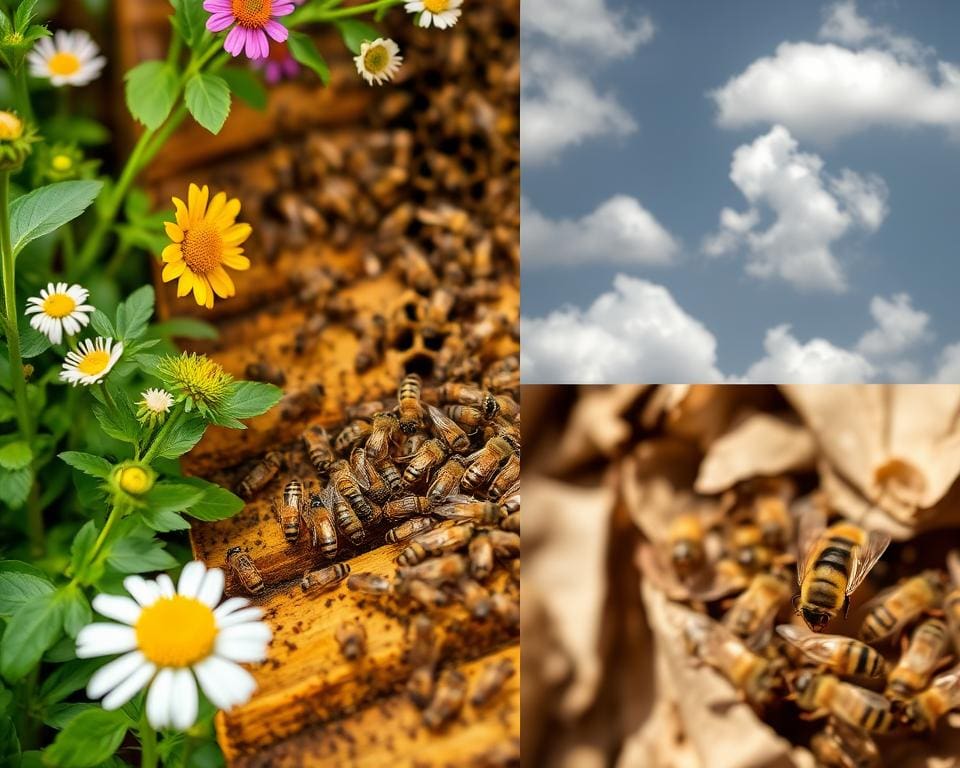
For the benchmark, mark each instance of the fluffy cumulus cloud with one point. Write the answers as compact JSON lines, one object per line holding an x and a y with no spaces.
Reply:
{"x":948,"y":369}
{"x":565,"y":43}
{"x":636,"y":332}
{"x":619,"y":231}
{"x":814,"y":362}
{"x":843,"y":23}
{"x":811,"y":211}
{"x":899,"y":328}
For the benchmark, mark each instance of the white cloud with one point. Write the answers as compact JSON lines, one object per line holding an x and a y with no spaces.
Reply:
{"x":811,"y":210}
{"x":948,"y":371}
{"x":815,"y":362}
{"x":619,"y":231}
{"x":824,"y":91}
{"x":842,"y":23}
{"x":587,"y":24}
{"x":635,"y":333}
{"x":899,"y":329}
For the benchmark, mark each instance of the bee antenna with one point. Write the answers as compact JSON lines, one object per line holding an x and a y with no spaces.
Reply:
{"x":794,"y":601}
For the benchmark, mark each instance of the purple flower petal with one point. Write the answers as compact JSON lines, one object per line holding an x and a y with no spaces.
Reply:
{"x":219,"y":22}
{"x":253,"y":48}
{"x":282,"y":10}
{"x":215,"y":6}
{"x":234,"y":42}
{"x":277,"y":31}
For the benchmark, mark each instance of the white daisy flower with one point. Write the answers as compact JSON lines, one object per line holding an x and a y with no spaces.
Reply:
{"x":379,"y":60}
{"x":157,"y":401}
{"x":170,"y":640}
{"x":59,"y":309}
{"x":442,"y":13}
{"x":69,"y":58}
{"x":91,"y":361}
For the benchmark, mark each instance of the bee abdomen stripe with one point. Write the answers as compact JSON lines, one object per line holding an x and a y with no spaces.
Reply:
{"x":842,"y":541}
{"x":834,"y":558}
{"x":823,"y":597}
{"x":883,"y":616}
{"x":862,"y":660}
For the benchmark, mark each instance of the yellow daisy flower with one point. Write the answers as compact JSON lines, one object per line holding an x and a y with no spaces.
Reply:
{"x":205,"y":240}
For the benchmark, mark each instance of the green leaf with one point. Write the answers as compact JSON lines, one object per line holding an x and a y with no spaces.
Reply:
{"x":67,"y":679}
{"x":76,"y":610}
{"x":8,"y":410}
{"x":189,"y":20}
{"x":182,"y":437}
{"x":24,"y":14}
{"x":88,"y":463}
{"x":173,"y":497}
{"x":19,"y":584}
{"x":246,"y":86}
{"x":102,"y":325}
{"x":15,"y":486}
{"x":88,"y":739}
{"x":117,"y":422}
{"x":40,"y":212}
{"x":217,"y":503}
{"x":184,"y":328}
{"x":135,"y":555}
{"x":304,"y":50}
{"x":82,"y":544}
{"x":15,"y":455}
{"x":163,"y":521}
{"x":354,"y":33}
{"x":134,"y":314}
{"x":250,"y":398}
{"x":151,"y":92}
{"x":32,"y":342}
{"x":208,"y":99}
{"x":31,"y":630}
{"x":9,"y":743}
{"x":58,"y":715}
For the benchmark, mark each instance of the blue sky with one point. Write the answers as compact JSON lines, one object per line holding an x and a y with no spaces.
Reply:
{"x":840,"y":123}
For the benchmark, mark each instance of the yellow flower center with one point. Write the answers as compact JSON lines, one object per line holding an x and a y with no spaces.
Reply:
{"x":94,"y":362}
{"x":202,"y":248}
{"x":176,"y":631}
{"x":135,"y":481}
{"x":58,"y":305}
{"x":63,"y":63}
{"x":11,"y":126}
{"x":376,"y":59}
{"x":61,"y":163}
{"x":436,"y":6}
{"x":252,"y":13}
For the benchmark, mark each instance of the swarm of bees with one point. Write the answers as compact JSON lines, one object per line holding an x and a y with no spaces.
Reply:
{"x":730,"y":577}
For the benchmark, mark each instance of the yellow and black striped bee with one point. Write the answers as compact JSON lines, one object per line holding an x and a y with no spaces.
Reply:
{"x":321,"y":524}
{"x":368,"y":476}
{"x":506,"y":479}
{"x":430,"y":454}
{"x":491,"y":680}
{"x":288,"y":509}
{"x":834,"y":562}
{"x":317,"y":442}
{"x":408,"y":401}
{"x":685,"y":541}
{"x":406,"y":506}
{"x":467,"y":416}
{"x":246,"y":570}
{"x":384,"y":427}
{"x":841,"y":746}
{"x":942,"y":696}
{"x":370,"y":584}
{"x":262,"y":473}
{"x":350,"y":488}
{"x":437,"y":570}
{"x":466,"y":394}
{"x":840,"y":654}
{"x":448,"y":430}
{"x":409,"y":528}
{"x":481,"y":556}
{"x":447,"y":480}
{"x":852,"y":704}
{"x":438,"y":541}
{"x":325,"y":579}
{"x":390,"y":474}
{"x":752,"y":614}
{"x":951,"y":602}
{"x":918,"y":662}
{"x":447,"y":701}
{"x":458,"y":507}
{"x":347,"y":521}
{"x":486,"y":461}
{"x":893,"y":608}
{"x":353,"y":434}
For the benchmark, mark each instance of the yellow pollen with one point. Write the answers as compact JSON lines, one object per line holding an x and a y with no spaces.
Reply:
{"x":63,"y":63}
{"x":61,"y":162}
{"x":253,"y":14}
{"x":376,"y":59}
{"x":436,"y":6}
{"x":58,"y":305}
{"x":11,"y":126}
{"x":202,"y":248}
{"x":176,"y":631}
{"x":134,"y":480}
{"x":94,"y":362}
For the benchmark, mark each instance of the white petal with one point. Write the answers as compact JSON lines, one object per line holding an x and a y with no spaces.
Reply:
{"x":230,"y":605}
{"x":211,"y":590}
{"x":159,"y":698}
{"x":240,"y":617}
{"x":191,"y":577}
{"x":165,"y":583}
{"x":184,"y":702}
{"x":225,"y":683}
{"x":242,"y":651}
{"x":110,"y":676}
{"x":100,"y":639}
{"x":144,"y":592}
{"x":117,"y":607}
{"x":129,"y":687}
{"x":251,"y":630}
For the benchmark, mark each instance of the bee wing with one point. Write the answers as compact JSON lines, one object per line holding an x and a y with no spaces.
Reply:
{"x":855,"y":694}
{"x":949,"y":683}
{"x":813,"y":522}
{"x":866,"y":557}
{"x":818,"y":647}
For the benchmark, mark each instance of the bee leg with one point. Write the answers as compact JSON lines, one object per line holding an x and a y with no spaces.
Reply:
{"x":846,"y":606}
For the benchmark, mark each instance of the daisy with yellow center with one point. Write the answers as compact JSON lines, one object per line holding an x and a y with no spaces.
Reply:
{"x":205,"y":241}
{"x":171,"y":639}
{"x":378,"y":61}
{"x":69,"y":58}
{"x":91,"y":361}
{"x":59,"y":309}
{"x":154,"y":405}
{"x":441,"y":13}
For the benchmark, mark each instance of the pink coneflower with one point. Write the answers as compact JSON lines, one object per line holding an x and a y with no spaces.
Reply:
{"x":278,"y":65}
{"x":253,"y":20}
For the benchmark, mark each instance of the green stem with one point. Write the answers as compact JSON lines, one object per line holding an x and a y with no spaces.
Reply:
{"x":161,"y":435}
{"x":148,"y":742}
{"x":308,"y":13}
{"x":116,"y":512}
{"x":35,"y":531}
{"x":21,"y":94}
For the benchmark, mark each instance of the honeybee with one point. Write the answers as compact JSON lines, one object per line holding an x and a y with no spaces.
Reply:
{"x":476,"y":599}
{"x":409,"y":528}
{"x":317,"y":442}
{"x":942,"y":696}
{"x":325,"y":579}
{"x":752,"y":613}
{"x":352,"y":639}
{"x":447,"y":480}
{"x":390,"y":474}
{"x":448,"y":698}
{"x":367,"y":475}
{"x":840,"y":746}
{"x":262,"y":473}
{"x":746,"y":541}
{"x":430,"y":454}
{"x":384,"y":427}
{"x":370,"y":584}
{"x":466,"y":394}
{"x":485,"y":462}
{"x":507,"y":406}
{"x":951,"y":602}
{"x":349,"y":489}
{"x":853,"y":705}
{"x":491,"y":681}
{"x":448,"y":430}
{"x":406,"y":506}
{"x":895,"y":607}
{"x":437,"y":570}
{"x":773,"y":518}
{"x":505,"y":479}
{"x":436,"y":542}
{"x":685,"y":539}
{"x":505,"y":544}
{"x":347,"y":520}
{"x":354,"y":433}
{"x":323,"y":530}
{"x":480,"y":552}
{"x":840,"y":654}
{"x":423,"y":659}
{"x":287,"y":509}
{"x":511,"y":522}
{"x":835,"y":561}
{"x":246,"y":571}
{"x":408,"y":399}
{"x":918,"y":662}
{"x":467,"y":416}
{"x":427,"y":595}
